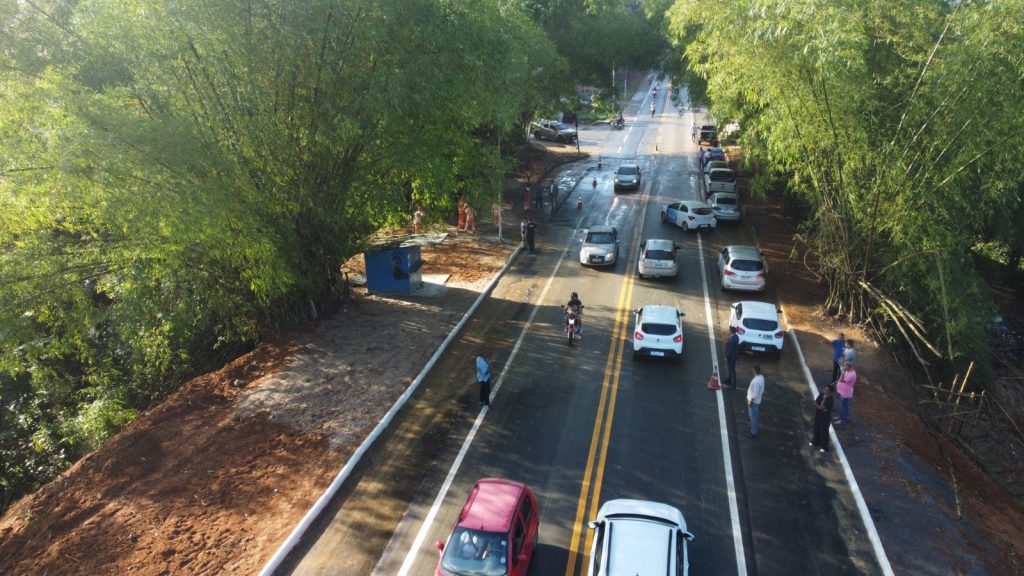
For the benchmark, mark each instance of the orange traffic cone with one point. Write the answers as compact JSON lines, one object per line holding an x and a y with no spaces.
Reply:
{"x":713,"y":382}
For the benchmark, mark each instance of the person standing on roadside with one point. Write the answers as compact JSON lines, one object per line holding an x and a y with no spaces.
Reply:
{"x":522,"y":230}
{"x":847,"y":381}
{"x":526,"y":198}
{"x":483,"y":376}
{"x":838,"y":347}
{"x":850,"y":353}
{"x":732,"y":353}
{"x":531,"y":234}
{"x":417,"y":219}
{"x":822,"y":418}
{"x":754,"y":395}
{"x":470,"y":219}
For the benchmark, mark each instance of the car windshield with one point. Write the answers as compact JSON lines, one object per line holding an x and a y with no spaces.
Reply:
{"x":725,"y":201}
{"x":760,"y":324}
{"x":476,"y":553}
{"x":747,"y":265}
{"x":559,"y":126}
{"x":702,"y":211}
{"x":628,"y":170}
{"x":599,"y":238}
{"x":721,"y":176}
{"x":658,"y":255}
{"x":656,"y":329}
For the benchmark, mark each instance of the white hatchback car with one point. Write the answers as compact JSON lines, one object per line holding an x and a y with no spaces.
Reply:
{"x":639,"y":537}
{"x":757,"y":324}
{"x":657,"y":259}
{"x":742,"y":268}
{"x":658,"y":332}
{"x":600,"y":247}
{"x":725,"y":205}
{"x":689,"y":215}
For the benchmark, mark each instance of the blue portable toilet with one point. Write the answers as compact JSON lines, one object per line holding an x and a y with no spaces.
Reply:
{"x":394,"y":265}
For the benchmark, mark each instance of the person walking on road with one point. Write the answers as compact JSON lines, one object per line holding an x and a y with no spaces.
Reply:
{"x":652,"y":109}
{"x":754,"y":395}
{"x":822,"y":418}
{"x":483,"y":376}
{"x":732,"y":352}
{"x":531,"y":233}
{"x":847,"y":381}
{"x":838,"y":347}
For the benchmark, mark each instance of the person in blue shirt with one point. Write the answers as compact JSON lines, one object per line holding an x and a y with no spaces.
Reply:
{"x":838,"y":347}
{"x":483,"y":376}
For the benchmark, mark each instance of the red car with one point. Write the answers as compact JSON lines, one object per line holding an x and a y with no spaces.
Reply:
{"x":496,"y":532}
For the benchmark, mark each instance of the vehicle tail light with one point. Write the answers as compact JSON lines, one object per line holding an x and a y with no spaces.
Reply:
{"x":762,"y":275}
{"x":729,"y":272}
{"x":678,"y":338}
{"x":740,"y":330}
{"x":638,"y":335}
{"x":779,"y":334}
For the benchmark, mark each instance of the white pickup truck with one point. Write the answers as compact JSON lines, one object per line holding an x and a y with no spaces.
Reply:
{"x":719,"y":180}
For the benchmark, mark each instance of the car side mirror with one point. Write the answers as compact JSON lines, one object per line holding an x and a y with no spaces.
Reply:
{"x":593,"y":524}
{"x":678,"y":245}
{"x":439,"y":545}
{"x":687,"y":536}
{"x":680,"y":314}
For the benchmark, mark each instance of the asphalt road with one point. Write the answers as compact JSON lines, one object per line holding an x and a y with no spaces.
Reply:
{"x":587,"y":424}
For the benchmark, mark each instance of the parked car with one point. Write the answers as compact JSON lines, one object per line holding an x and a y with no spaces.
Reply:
{"x":627,"y":177}
{"x":742,"y":268}
{"x":495,"y":534}
{"x":689,"y":215}
{"x":553,"y":130}
{"x":639,"y":537}
{"x":758,"y":326}
{"x":708,"y":154}
{"x":600,"y":247}
{"x":708,"y":135}
{"x":725,"y":205}
{"x":658,"y":332}
{"x":657,"y":258}
{"x":712,"y":164}
{"x":719,"y":180}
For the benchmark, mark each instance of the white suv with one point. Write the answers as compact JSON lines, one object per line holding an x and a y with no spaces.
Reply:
{"x":639,"y":537}
{"x":758,"y":326}
{"x":658,"y":332}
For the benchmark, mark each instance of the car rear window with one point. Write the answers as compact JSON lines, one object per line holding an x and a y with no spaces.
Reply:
{"x":599,"y":238}
{"x":747,"y":265}
{"x":658,"y":329}
{"x":628,"y":170}
{"x":660,"y":254}
{"x":702,"y":210}
{"x":761,"y":324}
{"x":725,"y":201}
{"x":721,"y":176}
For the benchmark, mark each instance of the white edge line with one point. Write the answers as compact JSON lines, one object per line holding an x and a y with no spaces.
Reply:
{"x":428,"y":520}
{"x":734,"y":511}
{"x":862,"y":507}
{"x":311,"y":515}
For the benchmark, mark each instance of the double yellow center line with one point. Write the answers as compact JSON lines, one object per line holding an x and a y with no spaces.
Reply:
{"x":590,"y":491}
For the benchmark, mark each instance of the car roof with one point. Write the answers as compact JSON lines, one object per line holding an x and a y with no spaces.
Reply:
{"x":718,"y":164}
{"x":755,"y":309}
{"x":492,"y":505}
{"x":659,"y":244}
{"x":708,"y":127}
{"x":659,"y":313}
{"x":636,"y":166}
{"x":601,"y":228}
{"x":746,"y":252}
{"x":654,"y":510}
{"x":720,"y":169}
{"x":694,"y":204}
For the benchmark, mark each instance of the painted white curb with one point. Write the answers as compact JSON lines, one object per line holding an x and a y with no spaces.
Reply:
{"x":862,"y":507}
{"x":311,"y":515}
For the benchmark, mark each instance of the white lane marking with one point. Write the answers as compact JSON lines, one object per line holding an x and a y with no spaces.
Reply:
{"x":730,"y":483}
{"x":428,"y":521}
{"x":862,"y":507}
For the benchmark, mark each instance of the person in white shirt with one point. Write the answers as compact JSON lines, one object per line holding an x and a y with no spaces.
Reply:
{"x":754,"y":394}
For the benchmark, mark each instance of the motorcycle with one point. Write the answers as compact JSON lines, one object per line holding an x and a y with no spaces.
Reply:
{"x":619,"y":123}
{"x":573,"y":322}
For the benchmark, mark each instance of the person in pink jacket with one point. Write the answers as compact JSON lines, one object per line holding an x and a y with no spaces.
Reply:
{"x":847,"y":381}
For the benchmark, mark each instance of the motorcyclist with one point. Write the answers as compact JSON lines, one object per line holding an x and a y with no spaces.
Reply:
{"x":652,"y":108}
{"x":576,"y":306}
